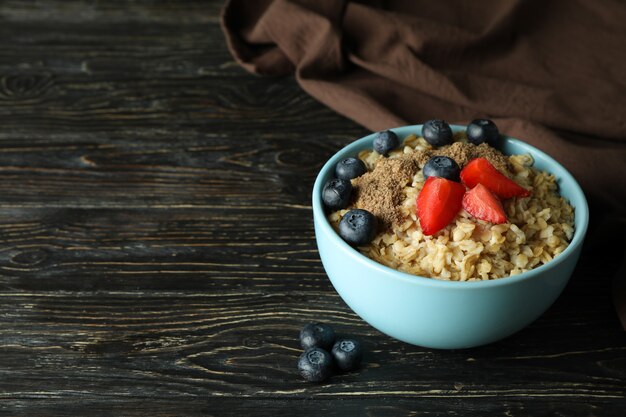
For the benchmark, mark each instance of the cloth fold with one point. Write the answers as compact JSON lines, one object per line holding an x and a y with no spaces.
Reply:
{"x":551,"y":73}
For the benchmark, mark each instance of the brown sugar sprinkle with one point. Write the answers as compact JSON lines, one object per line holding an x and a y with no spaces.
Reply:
{"x":380,"y":191}
{"x":463,"y":152}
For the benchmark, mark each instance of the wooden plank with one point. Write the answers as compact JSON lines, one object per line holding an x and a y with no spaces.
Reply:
{"x":379,"y":407}
{"x":229,"y":344}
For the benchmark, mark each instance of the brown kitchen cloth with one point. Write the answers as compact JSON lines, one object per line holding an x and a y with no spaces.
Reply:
{"x":552,"y":73}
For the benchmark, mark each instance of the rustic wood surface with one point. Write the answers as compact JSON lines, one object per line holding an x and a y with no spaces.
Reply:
{"x":157,"y":254}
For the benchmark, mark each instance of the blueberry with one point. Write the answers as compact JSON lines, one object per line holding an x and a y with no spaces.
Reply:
{"x":349,"y":168}
{"x":437,"y":132}
{"x":336,"y":193}
{"x":442,"y":166}
{"x":385,"y":141}
{"x":357,"y":227}
{"x":482,"y":130}
{"x":348,"y":354}
{"x":317,"y":335}
{"x":315,"y":365}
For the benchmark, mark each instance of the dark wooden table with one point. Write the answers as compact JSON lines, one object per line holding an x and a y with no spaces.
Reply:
{"x":157,"y":254}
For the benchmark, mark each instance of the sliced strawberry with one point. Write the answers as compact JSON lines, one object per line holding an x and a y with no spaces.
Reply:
{"x":480,"y":171}
{"x":482,"y":204}
{"x":438,"y":203}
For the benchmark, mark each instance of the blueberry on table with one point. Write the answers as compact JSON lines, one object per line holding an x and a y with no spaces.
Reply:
{"x":336,"y":193}
{"x":357,"y":227}
{"x":386,"y":141}
{"x":348,"y":354}
{"x":482,"y":130}
{"x":437,"y":132}
{"x":349,"y":168}
{"x":442,"y":166}
{"x":317,"y":335}
{"x":315,"y":365}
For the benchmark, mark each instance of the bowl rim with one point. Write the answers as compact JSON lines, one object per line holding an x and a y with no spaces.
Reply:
{"x":354,"y":147}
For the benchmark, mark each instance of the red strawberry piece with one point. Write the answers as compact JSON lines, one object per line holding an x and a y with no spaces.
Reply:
{"x":480,"y":171}
{"x":482,"y":204}
{"x":438,"y":203}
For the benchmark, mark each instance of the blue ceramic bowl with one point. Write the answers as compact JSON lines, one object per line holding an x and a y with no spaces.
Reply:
{"x":446,"y":314}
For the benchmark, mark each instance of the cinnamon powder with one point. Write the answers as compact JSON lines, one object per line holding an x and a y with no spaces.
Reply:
{"x":463,"y":152}
{"x":380,"y":191}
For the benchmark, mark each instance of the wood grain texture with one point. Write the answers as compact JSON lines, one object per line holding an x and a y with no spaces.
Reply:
{"x":157,"y":254}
